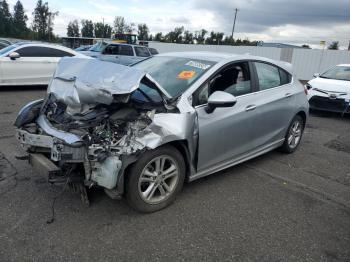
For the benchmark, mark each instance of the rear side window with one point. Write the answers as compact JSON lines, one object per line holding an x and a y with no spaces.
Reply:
{"x":153,"y":51}
{"x":125,"y":50}
{"x":270,"y":76}
{"x":286,"y":78}
{"x":141,"y":51}
{"x":39,"y":51}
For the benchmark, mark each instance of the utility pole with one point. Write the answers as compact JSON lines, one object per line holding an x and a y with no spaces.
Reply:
{"x":234,"y":22}
{"x":103,"y":27}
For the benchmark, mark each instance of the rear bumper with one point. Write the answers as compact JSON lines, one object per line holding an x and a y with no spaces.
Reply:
{"x":326,"y":104}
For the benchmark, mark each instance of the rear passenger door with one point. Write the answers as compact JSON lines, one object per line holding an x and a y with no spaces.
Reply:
{"x":275,"y":99}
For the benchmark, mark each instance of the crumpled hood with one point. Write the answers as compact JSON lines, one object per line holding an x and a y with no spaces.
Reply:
{"x":82,"y":83}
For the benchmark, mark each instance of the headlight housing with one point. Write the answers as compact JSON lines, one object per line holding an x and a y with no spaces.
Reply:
{"x":308,"y":86}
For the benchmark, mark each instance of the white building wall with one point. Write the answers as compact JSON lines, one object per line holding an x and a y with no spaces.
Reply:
{"x":269,"y":52}
{"x":305,"y":62}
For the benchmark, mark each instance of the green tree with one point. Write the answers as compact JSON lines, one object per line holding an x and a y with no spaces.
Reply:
{"x":334,"y":45}
{"x":215,"y":38}
{"x":158,"y":37}
{"x":5,"y":19}
{"x":188,"y":37}
{"x":201,"y":36}
{"x":43,"y":21}
{"x":102,"y":30}
{"x":175,"y":36}
{"x":119,"y":25}
{"x":87,"y":28}
{"x":143,"y":32}
{"x":19,"y":21}
{"x":73,"y":29}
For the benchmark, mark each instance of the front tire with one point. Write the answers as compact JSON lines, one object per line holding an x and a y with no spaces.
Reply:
{"x":155,"y":179}
{"x":293,"y":136}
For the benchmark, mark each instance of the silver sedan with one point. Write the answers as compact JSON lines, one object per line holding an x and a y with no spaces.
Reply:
{"x":141,"y":131}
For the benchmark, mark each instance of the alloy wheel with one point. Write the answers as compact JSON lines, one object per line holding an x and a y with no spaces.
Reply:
{"x":158,"y":179}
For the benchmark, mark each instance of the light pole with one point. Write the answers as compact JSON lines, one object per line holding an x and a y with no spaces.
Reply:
{"x":234,"y":22}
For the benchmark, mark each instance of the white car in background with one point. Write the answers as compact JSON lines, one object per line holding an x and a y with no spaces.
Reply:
{"x":330,"y":91}
{"x":28,"y":63}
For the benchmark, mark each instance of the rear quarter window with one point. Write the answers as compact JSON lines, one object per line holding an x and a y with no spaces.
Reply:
{"x":141,"y":51}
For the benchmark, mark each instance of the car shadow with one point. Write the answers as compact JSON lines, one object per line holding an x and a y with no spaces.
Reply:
{"x":22,"y":88}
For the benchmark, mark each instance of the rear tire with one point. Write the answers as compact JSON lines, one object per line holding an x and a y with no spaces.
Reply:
{"x":293,"y":136}
{"x":155,"y":179}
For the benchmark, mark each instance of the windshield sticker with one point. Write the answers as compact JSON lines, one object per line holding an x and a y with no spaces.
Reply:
{"x":186,"y":74}
{"x":198,"y":65}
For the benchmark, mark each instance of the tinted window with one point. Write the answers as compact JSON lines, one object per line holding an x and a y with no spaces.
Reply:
{"x":141,"y":51}
{"x":111,"y":50}
{"x":174,"y":74}
{"x":234,"y":79}
{"x":268,"y":75}
{"x":153,"y":51}
{"x":38,"y":51}
{"x":125,"y":50}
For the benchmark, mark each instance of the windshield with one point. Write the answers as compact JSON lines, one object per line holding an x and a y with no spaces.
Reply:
{"x":338,"y":73}
{"x":98,"y":47}
{"x":8,"y":48}
{"x":174,"y":74}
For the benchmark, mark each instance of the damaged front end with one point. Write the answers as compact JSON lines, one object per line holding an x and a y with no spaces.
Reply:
{"x":96,"y":119}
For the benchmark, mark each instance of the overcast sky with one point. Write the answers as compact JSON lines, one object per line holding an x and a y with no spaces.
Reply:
{"x":287,"y":21}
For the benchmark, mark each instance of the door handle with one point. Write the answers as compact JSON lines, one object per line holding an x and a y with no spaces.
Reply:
{"x":116,"y":56}
{"x":250,"y":107}
{"x":288,"y":95}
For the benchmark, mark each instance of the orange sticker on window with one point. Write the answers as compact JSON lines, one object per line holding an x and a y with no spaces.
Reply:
{"x":186,"y":74}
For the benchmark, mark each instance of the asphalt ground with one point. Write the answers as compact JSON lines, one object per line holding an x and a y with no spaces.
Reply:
{"x":276,"y":207}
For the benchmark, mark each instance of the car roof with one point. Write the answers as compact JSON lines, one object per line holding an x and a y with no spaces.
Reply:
{"x":226,"y":57}
{"x":344,"y":65}
{"x":200,"y":55}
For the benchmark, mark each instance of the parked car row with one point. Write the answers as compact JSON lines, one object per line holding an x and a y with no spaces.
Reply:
{"x":125,"y":54}
{"x":28,"y":63}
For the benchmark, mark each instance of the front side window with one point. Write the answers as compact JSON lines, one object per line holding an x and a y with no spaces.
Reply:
{"x":141,"y":51}
{"x":338,"y":73}
{"x":174,"y":74}
{"x":125,"y":50}
{"x":40,"y":51}
{"x":111,"y":50}
{"x":234,"y":79}
{"x":268,"y":75}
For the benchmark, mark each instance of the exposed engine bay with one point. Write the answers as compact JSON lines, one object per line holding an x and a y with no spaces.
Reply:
{"x":90,"y":130}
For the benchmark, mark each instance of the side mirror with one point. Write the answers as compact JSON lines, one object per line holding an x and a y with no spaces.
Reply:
{"x":14,"y":55}
{"x":316,"y":75}
{"x":220,"y":99}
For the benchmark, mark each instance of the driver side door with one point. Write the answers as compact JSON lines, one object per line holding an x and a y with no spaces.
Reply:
{"x":226,"y":134}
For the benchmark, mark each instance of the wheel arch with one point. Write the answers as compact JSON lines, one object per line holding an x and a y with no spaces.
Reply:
{"x":180,"y":145}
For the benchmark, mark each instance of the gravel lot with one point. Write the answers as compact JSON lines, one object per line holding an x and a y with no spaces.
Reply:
{"x":273,"y":208}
